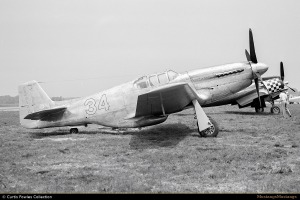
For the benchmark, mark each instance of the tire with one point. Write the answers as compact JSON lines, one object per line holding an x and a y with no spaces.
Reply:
{"x":275,"y":110}
{"x":259,"y":110}
{"x":211,"y":131}
{"x":74,"y":130}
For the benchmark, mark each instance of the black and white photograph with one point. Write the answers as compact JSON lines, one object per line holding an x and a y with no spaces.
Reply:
{"x":149,"y":97}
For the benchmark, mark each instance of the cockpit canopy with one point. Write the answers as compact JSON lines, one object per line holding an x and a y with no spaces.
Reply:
{"x":155,"y":79}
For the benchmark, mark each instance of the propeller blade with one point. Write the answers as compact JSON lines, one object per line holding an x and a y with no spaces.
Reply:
{"x":252,"y":48}
{"x":281,"y":71}
{"x":247,"y":55}
{"x":257,"y":90}
{"x":291,"y":88}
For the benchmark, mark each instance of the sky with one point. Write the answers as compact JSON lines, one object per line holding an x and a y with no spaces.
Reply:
{"x":81,"y":47}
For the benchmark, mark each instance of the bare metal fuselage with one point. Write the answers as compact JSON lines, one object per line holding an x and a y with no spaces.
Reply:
{"x":231,"y":99}
{"x":269,"y":90}
{"x":116,"y":107}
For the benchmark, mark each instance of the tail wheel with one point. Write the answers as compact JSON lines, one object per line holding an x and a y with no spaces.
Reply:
{"x":275,"y":110}
{"x":74,"y":130}
{"x":211,"y":131}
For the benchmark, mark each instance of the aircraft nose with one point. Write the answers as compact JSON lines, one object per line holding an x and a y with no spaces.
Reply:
{"x":259,"y":68}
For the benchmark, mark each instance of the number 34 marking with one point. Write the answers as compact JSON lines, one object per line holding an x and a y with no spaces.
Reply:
{"x":92,"y":105}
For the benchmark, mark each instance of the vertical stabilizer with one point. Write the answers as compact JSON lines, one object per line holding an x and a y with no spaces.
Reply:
{"x":32,"y":98}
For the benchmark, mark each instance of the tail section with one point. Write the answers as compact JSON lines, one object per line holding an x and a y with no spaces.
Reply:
{"x":32,"y":98}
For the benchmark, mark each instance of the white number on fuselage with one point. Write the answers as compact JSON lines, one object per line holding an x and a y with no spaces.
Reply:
{"x":92,"y":105}
{"x":103,"y":104}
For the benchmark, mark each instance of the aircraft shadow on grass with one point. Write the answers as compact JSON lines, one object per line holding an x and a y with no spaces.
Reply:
{"x":39,"y":135}
{"x":247,"y":113}
{"x":163,"y":135}
{"x":168,"y":135}
{"x":182,"y":114}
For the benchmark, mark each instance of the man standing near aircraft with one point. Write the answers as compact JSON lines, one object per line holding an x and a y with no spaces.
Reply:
{"x":284,"y":101}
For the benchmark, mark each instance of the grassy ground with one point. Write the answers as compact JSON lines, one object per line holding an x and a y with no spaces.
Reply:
{"x":253,"y":153}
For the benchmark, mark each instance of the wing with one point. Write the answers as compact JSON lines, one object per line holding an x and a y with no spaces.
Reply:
{"x":275,"y":95}
{"x":165,"y":100}
{"x":251,"y":95}
{"x":294,"y":99}
{"x":270,"y":77}
{"x":47,"y":115}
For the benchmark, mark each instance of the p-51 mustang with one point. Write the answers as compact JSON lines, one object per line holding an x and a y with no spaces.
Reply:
{"x":145,"y":101}
{"x":269,"y":90}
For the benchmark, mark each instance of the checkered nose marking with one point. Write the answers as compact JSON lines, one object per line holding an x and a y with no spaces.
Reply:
{"x":274,"y":85}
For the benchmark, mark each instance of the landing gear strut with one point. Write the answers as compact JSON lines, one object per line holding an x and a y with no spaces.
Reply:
{"x":74,"y":130}
{"x":259,"y":105}
{"x":207,"y":127}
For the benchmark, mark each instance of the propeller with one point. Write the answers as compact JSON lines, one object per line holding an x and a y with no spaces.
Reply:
{"x":252,"y":59}
{"x":291,"y":88}
{"x":282,"y":76}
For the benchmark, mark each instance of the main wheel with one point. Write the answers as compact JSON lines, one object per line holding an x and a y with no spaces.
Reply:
{"x":74,"y":130}
{"x":259,"y":110}
{"x":212,"y":131}
{"x":275,"y":110}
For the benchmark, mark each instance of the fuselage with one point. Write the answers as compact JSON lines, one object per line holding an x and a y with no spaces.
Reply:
{"x":271,"y":87}
{"x":116,"y":107}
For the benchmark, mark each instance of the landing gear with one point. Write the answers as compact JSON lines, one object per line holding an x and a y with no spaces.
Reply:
{"x":211,"y":131}
{"x":275,"y":110}
{"x":259,"y":105}
{"x":207,"y":127}
{"x":259,"y":110}
{"x":74,"y":130}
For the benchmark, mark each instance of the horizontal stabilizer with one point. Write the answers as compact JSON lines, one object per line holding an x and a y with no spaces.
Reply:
{"x":47,"y":115}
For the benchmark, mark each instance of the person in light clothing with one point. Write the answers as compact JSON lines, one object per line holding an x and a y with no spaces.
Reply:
{"x":284,"y":104}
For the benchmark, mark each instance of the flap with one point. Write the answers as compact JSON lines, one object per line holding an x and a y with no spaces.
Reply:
{"x":47,"y":115}
{"x":165,"y":100}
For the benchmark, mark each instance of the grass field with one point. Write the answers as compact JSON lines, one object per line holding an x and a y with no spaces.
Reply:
{"x":253,"y":153}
